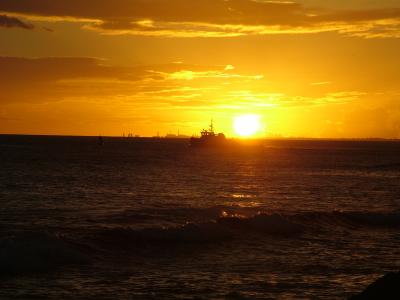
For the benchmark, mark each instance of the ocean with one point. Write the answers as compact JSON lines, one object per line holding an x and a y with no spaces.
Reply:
{"x":156,"y":219}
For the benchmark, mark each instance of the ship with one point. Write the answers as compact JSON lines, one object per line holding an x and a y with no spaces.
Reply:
{"x":209,"y":138}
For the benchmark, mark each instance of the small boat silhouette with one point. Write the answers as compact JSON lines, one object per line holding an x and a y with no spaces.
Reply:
{"x":100,"y":141}
{"x":209,"y":138}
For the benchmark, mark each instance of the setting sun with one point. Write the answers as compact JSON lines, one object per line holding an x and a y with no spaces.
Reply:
{"x":247,"y":125}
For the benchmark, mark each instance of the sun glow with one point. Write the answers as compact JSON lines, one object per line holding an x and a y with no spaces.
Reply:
{"x":247,"y":125}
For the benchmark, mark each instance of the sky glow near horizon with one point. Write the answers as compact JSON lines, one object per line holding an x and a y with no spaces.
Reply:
{"x":308,"y":68}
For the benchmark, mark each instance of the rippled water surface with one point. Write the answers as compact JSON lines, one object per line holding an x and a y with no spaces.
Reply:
{"x":155,"y":219}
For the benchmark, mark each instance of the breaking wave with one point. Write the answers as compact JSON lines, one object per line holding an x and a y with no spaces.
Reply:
{"x":222,"y":229}
{"x":235,"y":226}
{"x":31,"y":252}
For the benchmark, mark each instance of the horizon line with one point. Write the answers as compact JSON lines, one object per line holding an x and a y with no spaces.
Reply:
{"x":188,"y":137}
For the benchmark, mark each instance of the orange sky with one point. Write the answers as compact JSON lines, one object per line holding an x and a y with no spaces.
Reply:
{"x":310,"y":68}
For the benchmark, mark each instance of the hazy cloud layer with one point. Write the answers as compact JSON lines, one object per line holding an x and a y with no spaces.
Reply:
{"x":174,"y":85}
{"x":52,"y":79}
{"x":211,"y":18}
{"x":13,"y":22}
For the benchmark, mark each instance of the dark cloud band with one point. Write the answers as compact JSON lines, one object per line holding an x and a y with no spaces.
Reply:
{"x":12,"y":22}
{"x":210,"y":17}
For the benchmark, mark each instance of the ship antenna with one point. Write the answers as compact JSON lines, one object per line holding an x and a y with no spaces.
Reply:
{"x":212,"y":125}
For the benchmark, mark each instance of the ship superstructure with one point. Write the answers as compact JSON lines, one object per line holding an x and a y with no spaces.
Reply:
{"x":208,"y":138}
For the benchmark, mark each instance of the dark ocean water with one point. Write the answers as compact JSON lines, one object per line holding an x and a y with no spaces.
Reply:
{"x":155,"y":219}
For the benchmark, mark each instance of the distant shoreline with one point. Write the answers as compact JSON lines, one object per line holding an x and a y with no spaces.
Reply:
{"x":187,"y":138}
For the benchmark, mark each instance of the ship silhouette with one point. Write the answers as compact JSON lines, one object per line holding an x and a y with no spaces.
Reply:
{"x":209,"y":138}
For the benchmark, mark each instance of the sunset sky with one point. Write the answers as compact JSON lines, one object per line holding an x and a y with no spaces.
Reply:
{"x":308,"y":68}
